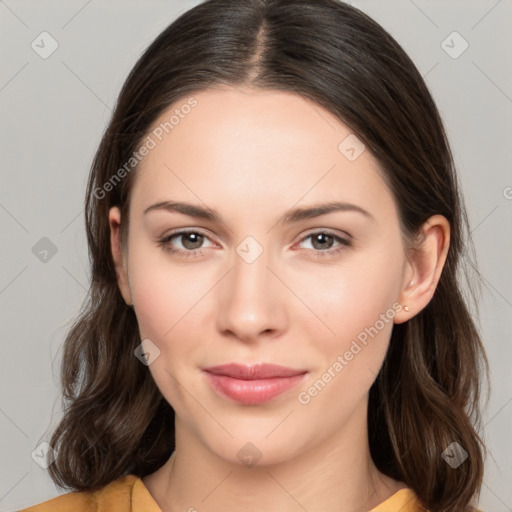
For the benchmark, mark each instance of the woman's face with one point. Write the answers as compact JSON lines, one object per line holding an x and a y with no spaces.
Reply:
{"x":259,"y":282}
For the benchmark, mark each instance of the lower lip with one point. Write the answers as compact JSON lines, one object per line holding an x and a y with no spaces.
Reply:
{"x":252,"y":392}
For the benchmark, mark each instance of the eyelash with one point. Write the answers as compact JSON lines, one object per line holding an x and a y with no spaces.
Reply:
{"x":164,"y":243}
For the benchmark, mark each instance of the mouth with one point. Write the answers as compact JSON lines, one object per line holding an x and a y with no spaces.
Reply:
{"x":252,"y":385}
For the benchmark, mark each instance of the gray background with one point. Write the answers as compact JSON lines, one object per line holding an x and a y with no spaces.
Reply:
{"x":53,"y":112}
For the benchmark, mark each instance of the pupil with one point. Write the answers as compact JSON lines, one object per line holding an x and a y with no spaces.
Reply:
{"x":198,"y":240}
{"x":324,"y":237}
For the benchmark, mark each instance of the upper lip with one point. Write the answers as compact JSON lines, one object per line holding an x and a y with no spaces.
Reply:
{"x":257,"y":371}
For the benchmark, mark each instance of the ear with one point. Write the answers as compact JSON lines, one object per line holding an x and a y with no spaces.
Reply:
{"x":114,"y":218}
{"x":425,"y":262}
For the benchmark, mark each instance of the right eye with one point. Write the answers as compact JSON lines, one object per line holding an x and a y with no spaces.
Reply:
{"x":191,"y":242}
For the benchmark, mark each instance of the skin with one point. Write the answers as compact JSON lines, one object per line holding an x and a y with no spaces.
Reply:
{"x":252,"y":155}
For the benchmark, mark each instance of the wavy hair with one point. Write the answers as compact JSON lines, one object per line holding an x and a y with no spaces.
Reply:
{"x":426,"y":396}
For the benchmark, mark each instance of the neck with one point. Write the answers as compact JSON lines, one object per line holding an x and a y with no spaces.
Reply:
{"x":336,"y":474}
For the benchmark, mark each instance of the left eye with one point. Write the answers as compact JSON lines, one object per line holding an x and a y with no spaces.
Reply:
{"x":322,"y":242}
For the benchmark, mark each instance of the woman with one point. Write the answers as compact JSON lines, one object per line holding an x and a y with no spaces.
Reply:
{"x":274,"y":319}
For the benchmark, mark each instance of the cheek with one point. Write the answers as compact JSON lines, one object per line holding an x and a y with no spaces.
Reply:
{"x":167,"y":306}
{"x":164,"y":294}
{"x":359,"y":308}
{"x":352,"y":297}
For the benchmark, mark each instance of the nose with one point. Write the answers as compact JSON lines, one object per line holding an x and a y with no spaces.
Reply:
{"x":251,"y":301}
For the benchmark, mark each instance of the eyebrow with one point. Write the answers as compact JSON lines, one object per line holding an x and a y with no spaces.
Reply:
{"x":291,"y":216}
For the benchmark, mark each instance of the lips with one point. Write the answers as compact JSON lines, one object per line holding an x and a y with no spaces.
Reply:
{"x":258,"y":371}
{"x":252,"y":385}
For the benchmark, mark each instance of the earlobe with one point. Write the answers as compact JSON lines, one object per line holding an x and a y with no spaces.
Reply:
{"x":425,"y":264}
{"x":114,"y":218}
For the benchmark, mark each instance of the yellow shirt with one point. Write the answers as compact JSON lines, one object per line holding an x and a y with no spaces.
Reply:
{"x":129,"y":494}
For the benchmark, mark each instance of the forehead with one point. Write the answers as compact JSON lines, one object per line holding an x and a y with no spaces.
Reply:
{"x":249,"y":147}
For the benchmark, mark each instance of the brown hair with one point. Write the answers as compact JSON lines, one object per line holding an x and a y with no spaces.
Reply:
{"x":426,"y":395}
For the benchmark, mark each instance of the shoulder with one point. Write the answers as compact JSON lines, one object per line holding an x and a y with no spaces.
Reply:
{"x":404,"y":500}
{"x":114,"y":497}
